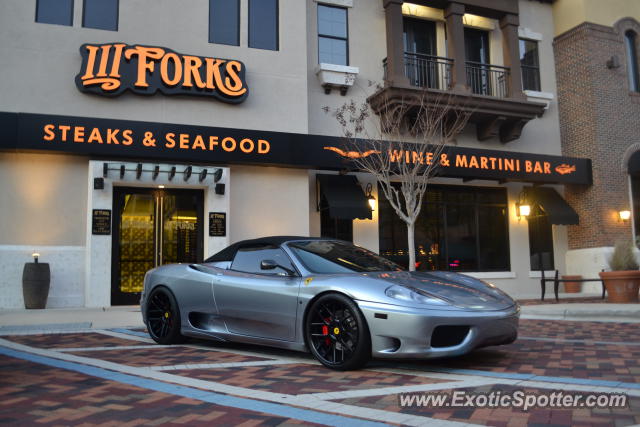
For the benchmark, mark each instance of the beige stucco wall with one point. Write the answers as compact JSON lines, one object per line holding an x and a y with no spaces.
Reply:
{"x":40,"y":62}
{"x":570,"y":13}
{"x":267,"y":201}
{"x":43,"y":199}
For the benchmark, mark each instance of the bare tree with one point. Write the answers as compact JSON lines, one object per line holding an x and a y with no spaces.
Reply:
{"x":403,"y":146}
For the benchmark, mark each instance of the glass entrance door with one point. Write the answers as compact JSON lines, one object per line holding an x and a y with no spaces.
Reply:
{"x":151,"y":228}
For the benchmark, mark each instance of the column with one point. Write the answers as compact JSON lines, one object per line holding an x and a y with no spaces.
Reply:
{"x":511,"y":53}
{"x":455,"y":45}
{"x":395,"y":44}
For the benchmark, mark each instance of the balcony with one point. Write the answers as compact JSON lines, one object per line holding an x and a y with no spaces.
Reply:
{"x":492,"y":94}
{"x":485,"y":79}
{"x":486,"y":93}
{"x":434,"y":72}
{"x":426,"y":71}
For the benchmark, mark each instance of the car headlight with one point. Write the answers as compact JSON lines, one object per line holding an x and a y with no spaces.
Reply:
{"x":413,"y":295}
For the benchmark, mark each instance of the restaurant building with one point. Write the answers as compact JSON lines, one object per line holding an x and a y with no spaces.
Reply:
{"x":596,"y":52}
{"x":136,"y":134}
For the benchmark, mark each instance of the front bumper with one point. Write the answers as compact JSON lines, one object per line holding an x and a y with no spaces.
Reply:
{"x":401,"y":332}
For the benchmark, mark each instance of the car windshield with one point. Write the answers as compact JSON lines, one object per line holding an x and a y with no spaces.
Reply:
{"x":331,"y":257}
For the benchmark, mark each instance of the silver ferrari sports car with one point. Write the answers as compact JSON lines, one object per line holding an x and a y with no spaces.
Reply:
{"x":341,"y":302}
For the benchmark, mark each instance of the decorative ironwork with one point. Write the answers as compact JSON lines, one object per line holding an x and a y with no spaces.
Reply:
{"x":487,"y":79}
{"x":433,"y":72}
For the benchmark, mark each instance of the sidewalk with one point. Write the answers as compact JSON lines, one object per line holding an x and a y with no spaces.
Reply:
{"x":600,"y":312}
{"x":70,"y":318}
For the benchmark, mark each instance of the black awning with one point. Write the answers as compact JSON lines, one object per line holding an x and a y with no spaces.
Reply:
{"x":557,"y":209}
{"x":343,"y":196}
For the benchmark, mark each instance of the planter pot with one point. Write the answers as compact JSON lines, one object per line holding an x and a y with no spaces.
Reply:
{"x":35,"y":284}
{"x":622,"y":286}
{"x":572,"y":287}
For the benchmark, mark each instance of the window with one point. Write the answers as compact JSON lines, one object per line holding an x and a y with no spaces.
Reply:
{"x":263,"y":24}
{"x":635,"y":196}
{"x":530,"y":65}
{"x":224,"y":22}
{"x":420,"y":56}
{"x":459,"y":229}
{"x":540,"y":240}
{"x":100,"y":14}
{"x":480,"y":77}
{"x":630,"y":42}
{"x":55,"y":12}
{"x":325,"y":257}
{"x":248,"y":260}
{"x":333,"y":44}
{"x":338,"y":228}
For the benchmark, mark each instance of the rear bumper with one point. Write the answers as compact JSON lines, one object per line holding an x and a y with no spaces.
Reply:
{"x":407,"y":332}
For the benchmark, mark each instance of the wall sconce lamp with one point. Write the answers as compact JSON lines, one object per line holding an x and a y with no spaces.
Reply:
{"x":523,"y":208}
{"x":370,"y":198}
{"x":624,"y":215}
{"x":35,"y":256}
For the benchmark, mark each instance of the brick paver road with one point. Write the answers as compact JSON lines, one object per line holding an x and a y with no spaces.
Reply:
{"x":120,"y":377}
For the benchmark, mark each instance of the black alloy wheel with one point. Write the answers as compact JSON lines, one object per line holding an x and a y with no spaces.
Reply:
{"x":163,"y":317}
{"x":337,"y":333}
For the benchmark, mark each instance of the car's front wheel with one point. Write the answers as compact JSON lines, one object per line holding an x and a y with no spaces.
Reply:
{"x":163,"y":317}
{"x":337,"y":334}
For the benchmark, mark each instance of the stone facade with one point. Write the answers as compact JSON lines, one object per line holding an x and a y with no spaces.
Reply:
{"x":600,"y":120}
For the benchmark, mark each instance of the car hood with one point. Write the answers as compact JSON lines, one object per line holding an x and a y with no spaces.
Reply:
{"x":457,"y":289}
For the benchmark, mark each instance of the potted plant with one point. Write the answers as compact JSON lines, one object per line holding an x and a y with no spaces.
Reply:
{"x":572,"y":287}
{"x":35,"y":283}
{"x":623,"y":281}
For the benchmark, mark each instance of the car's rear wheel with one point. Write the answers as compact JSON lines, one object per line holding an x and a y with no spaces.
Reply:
{"x":337,"y":333}
{"x":163,"y":317}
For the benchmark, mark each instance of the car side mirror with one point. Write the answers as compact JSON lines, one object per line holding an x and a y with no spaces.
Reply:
{"x":268,"y":264}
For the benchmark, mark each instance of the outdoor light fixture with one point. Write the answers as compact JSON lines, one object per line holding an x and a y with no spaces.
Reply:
{"x":370,"y":198}
{"x":35,"y":256}
{"x":625,"y":215}
{"x":187,"y":173}
{"x":161,"y":186}
{"x":217,"y":175}
{"x":523,"y":208}
{"x":203,"y":175}
{"x":156,"y":172}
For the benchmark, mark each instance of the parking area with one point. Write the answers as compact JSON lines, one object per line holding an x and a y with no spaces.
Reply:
{"x":119,"y":376}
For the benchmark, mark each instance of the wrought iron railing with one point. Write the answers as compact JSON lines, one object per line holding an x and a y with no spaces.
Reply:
{"x":433,"y":72}
{"x":487,"y":79}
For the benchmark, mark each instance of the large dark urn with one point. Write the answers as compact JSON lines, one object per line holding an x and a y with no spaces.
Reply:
{"x":35,"y":284}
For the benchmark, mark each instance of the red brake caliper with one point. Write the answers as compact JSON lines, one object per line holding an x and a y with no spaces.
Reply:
{"x":325,"y":332}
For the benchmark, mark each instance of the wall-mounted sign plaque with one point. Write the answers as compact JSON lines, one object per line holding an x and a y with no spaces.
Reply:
{"x":101,"y":222}
{"x":217,"y":224}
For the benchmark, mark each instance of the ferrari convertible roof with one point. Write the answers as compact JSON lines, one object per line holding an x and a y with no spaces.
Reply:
{"x":229,"y":252}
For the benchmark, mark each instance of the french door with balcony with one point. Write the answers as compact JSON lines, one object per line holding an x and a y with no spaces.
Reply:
{"x":420,"y":52}
{"x":476,"y":47}
{"x":152,"y":227}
